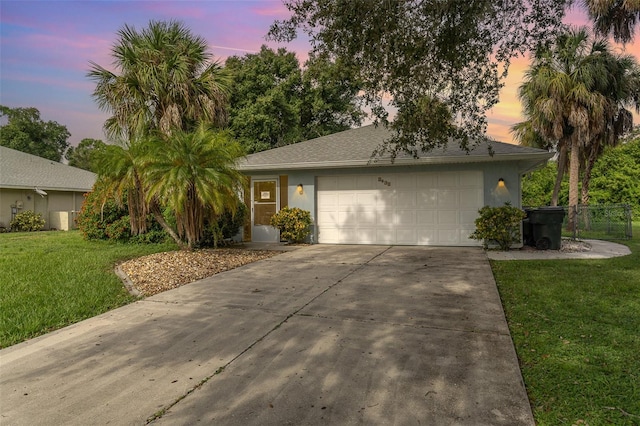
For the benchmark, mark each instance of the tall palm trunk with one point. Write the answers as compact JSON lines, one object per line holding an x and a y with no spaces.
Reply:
{"x":574,"y":179}
{"x":562,"y":164}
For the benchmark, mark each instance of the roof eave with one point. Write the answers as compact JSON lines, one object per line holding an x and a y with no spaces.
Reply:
{"x":44,"y":188}
{"x":537,"y":158}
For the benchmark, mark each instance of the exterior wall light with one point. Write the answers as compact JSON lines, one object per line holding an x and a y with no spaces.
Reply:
{"x":300,"y":189}
{"x":501,"y":183}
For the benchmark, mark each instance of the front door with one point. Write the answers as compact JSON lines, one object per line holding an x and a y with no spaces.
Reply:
{"x":264,"y":200}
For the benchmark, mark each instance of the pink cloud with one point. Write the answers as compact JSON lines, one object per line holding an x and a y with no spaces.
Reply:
{"x":274,"y":9}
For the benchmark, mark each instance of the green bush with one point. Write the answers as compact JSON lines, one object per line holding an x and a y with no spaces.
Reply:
{"x":102,"y":218}
{"x":500,"y":225}
{"x":119,"y":229}
{"x":27,"y":221}
{"x":293,"y":223}
{"x":226,"y":227}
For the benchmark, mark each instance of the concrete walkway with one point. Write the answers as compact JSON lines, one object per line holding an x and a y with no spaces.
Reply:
{"x":319,"y":335}
{"x":598,"y":250}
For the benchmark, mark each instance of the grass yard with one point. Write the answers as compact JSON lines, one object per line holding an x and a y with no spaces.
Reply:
{"x":52,"y":279}
{"x":576,"y":328}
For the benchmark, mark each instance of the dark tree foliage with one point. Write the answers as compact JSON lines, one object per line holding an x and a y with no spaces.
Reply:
{"x":84,"y":155}
{"x":274,"y":102}
{"x":443,"y":59}
{"x":265,"y":99}
{"x":25,"y":131}
{"x":617,"y":18}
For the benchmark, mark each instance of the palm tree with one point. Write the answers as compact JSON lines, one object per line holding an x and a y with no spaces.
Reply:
{"x":574,"y":97}
{"x":164,"y":80}
{"x":193,"y":174}
{"x":562,"y":97}
{"x":119,"y":169}
{"x":615,"y":17}
{"x":622,"y":91}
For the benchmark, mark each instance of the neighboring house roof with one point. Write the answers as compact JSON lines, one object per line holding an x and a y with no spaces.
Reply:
{"x":354,"y":147}
{"x":19,"y":170}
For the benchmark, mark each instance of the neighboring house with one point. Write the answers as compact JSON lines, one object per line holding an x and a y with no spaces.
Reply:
{"x":53,"y":189}
{"x":354,"y":199}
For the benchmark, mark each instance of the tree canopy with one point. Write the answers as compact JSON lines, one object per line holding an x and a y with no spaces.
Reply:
{"x":445,"y":60}
{"x":84,"y":155}
{"x":274,"y":102}
{"x":25,"y":131}
{"x":617,"y":18}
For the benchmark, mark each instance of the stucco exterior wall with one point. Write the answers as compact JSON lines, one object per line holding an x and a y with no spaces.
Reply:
{"x":54,"y":201}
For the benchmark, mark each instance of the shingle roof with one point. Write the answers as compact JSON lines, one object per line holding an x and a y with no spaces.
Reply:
{"x":25,"y":171}
{"x":353,"y":148}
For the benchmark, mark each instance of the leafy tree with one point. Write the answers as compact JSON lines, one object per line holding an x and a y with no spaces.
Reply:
{"x":264,"y":102}
{"x":165,"y":79}
{"x":330,"y":101}
{"x":447,"y":57}
{"x":274,"y":102}
{"x":573,"y":95}
{"x":25,"y":131}
{"x":193,"y":174}
{"x":83,"y":156}
{"x":616,"y":176}
{"x":538,"y":187}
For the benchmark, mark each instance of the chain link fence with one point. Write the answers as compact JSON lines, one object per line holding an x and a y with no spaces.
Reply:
{"x":598,"y":222}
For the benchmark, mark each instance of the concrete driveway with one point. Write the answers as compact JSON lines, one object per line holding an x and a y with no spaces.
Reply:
{"x":319,"y":335}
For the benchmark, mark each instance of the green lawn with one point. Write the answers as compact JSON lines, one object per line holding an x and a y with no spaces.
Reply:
{"x":576,"y":328}
{"x":52,"y":279}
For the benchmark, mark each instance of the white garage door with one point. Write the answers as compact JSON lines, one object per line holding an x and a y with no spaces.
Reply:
{"x":430,"y":208}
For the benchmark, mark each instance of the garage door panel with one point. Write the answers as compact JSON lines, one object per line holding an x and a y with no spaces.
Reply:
{"x":448,"y":236}
{"x":327,"y":219}
{"x":426,"y":237}
{"x":468,"y":217}
{"x":327,"y":200}
{"x":366,"y":199}
{"x":425,"y":217}
{"x":366,"y":218}
{"x":347,"y":218}
{"x":385,"y":218}
{"x":469,"y":198}
{"x":426,"y":180}
{"x":366,"y":235}
{"x":406,"y":218}
{"x":386,"y":199}
{"x":425,"y":208}
{"x":427,"y":199}
{"x":447,"y":199}
{"x":447,"y":217}
{"x":406,"y":236}
{"x":385,"y":236}
{"x":447,"y":179}
{"x":407,"y":199}
{"x":405,"y":181}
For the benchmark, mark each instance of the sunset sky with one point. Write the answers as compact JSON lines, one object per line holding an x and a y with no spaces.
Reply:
{"x":46,"y":46}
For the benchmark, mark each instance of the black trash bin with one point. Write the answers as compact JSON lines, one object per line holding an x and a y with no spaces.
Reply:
{"x":546,"y":227}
